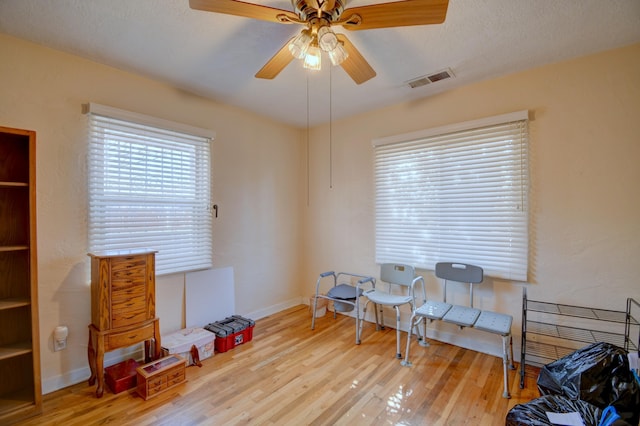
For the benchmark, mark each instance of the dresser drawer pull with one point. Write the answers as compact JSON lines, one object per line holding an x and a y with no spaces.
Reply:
{"x":174,"y":376}
{"x":156,"y":382}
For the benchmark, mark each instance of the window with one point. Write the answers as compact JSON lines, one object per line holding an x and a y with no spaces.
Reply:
{"x":456,"y":193}
{"x":149,"y":187}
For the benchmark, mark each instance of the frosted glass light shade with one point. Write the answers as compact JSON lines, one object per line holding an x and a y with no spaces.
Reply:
{"x":338,"y":55}
{"x":312,"y":59}
{"x":299,"y":45}
{"x":327,"y":40}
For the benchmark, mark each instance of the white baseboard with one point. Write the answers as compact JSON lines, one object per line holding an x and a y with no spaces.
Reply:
{"x":274,"y":309}
{"x":79,"y":375}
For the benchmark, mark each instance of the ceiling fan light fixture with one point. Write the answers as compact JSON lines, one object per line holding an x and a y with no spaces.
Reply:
{"x":313,"y":58}
{"x":338,"y":55}
{"x":327,"y":39}
{"x":299,"y":45}
{"x":317,"y":14}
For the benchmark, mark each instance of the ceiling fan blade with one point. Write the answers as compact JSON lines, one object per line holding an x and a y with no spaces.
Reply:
{"x":277,"y":63}
{"x":249,"y":10}
{"x":355,"y":65}
{"x":395,"y":14}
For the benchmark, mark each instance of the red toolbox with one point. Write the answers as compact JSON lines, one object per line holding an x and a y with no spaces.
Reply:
{"x":121,"y":376}
{"x":231,"y":332}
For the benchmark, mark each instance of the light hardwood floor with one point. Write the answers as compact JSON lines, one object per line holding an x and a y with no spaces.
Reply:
{"x":291,"y":375}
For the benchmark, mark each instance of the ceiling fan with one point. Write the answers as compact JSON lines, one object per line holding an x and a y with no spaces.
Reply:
{"x":318,"y":16}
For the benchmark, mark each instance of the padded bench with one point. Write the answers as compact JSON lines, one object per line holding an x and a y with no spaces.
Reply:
{"x":464,"y":316}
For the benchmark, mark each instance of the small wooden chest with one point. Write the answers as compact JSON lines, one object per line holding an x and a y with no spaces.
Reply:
{"x":160,"y":375}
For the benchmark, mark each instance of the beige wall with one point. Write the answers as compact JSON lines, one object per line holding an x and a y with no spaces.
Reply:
{"x":585,"y":227}
{"x":256,"y":165}
{"x":585,"y":184}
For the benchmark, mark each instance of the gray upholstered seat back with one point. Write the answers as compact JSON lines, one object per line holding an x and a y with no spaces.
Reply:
{"x":397,"y":273}
{"x":459,"y":272}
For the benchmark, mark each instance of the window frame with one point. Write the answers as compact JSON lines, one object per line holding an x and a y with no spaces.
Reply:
{"x":172,"y":212}
{"x":422,"y":245}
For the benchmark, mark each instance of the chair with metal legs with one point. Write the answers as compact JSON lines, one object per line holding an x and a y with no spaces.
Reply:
{"x":345,"y":293}
{"x":400,"y":281}
{"x":463,"y":316}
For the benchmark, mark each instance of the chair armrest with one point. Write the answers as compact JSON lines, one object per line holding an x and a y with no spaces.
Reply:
{"x":367,"y":280}
{"x":325,"y":275}
{"x":417,"y":279}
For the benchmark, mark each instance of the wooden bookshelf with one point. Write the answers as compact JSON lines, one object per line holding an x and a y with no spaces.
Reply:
{"x":20,"y":387}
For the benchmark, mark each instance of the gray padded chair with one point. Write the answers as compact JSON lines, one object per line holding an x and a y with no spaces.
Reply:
{"x":400,"y":283}
{"x":344,"y":295}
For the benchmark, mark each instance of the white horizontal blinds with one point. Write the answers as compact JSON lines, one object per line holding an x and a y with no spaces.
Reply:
{"x":150,"y":188}
{"x":459,"y":196}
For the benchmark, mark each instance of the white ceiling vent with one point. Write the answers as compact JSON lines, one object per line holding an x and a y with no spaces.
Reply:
{"x":432,"y":78}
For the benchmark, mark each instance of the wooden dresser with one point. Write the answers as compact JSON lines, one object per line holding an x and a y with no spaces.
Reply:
{"x":123,"y":307}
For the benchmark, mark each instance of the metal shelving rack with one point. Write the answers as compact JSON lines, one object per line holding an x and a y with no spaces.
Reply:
{"x":551,"y":330}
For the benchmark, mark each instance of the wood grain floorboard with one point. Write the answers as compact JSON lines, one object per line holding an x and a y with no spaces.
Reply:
{"x":291,"y":375}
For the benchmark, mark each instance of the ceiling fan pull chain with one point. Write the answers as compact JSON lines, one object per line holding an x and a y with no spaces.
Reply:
{"x":330,"y":128}
{"x":308,"y":178}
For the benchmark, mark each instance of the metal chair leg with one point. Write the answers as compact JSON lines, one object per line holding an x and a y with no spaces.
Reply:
{"x":359,"y":320}
{"x":406,"y":361}
{"x":364,"y":316}
{"x":511,"y":365}
{"x":398,"y":353}
{"x":380,"y":326}
{"x":423,"y":340}
{"x":313,"y":314}
{"x":505,"y":362}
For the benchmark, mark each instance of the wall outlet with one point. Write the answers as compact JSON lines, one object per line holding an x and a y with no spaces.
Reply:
{"x":60,"y":334}
{"x":59,"y":345}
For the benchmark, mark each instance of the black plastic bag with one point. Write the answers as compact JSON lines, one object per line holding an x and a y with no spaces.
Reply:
{"x":534,"y":413}
{"x":598,"y":374}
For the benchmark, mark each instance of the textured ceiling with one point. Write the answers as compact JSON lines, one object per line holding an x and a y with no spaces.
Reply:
{"x":217,"y":56}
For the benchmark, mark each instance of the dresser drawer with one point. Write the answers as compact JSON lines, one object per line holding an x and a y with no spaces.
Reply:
{"x":128,"y":271}
{"x":126,"y":304}
{"x":177,"y":376}
{"x":128,"y":338}
{"x":153,"y":390}
{"x":123,"y":264}
{"x":128,"y":279}
{"x":120,"y":294}
{"x":157,"y":382}
{"x":156,"y":385}
{"x":128,"y":317}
